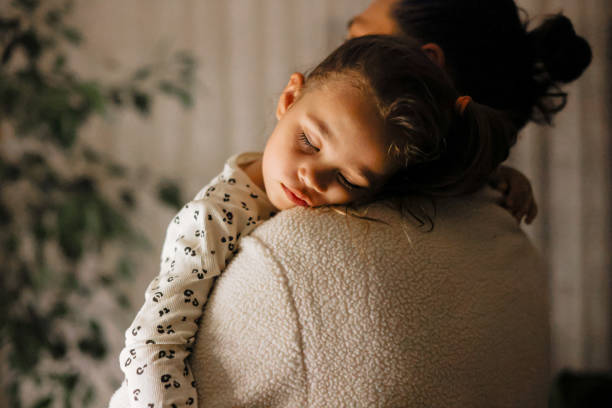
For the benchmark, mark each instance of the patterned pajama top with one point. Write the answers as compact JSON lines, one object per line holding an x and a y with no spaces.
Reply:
{"x":199,"y":242}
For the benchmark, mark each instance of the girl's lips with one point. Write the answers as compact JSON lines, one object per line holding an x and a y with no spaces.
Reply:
{"x":294,"y":198}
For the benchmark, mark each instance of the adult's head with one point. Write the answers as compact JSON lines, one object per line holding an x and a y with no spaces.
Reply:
{"x":488,"y":50}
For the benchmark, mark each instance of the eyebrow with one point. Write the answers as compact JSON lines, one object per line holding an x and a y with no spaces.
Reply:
{"x":324,"y":132}
{"x":366,"y":175}
{"x":320,"y":127}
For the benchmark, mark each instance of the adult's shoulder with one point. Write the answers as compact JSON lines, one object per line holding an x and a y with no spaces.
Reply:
{"x":465,"y":302}
{"x":324,"y":309}
{"x":426,"y":220}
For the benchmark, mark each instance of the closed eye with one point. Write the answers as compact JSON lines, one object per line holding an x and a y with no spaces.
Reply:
{"x":341,"y":179}
{"x":306,"y":142}
{"x":347,"y":184}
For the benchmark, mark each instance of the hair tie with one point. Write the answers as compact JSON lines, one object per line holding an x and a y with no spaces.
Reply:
{"x":462,"y":103}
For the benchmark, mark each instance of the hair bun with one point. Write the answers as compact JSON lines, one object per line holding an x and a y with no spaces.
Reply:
{"x":564,"y":54}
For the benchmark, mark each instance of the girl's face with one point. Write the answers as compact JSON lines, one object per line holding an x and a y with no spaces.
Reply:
{"x":328,"y":147}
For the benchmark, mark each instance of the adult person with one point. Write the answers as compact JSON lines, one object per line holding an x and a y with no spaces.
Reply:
{"x":321,"y":309}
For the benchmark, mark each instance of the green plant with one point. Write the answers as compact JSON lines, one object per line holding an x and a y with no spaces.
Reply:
{"x":55,"y":213}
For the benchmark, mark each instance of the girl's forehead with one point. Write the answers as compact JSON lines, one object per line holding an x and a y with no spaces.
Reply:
{"x":345,"y":104}
{"x":347,"y":119}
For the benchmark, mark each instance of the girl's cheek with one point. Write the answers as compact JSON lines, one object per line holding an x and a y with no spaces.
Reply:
{"x":337,"y":196}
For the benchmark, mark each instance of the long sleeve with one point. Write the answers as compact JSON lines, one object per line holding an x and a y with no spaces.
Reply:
{"x":199,"y":242}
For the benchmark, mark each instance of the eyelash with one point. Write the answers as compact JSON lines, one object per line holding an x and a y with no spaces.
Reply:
{"x":341,"y":179}
{"x":306,"y":142}
{"x":347,"y":184}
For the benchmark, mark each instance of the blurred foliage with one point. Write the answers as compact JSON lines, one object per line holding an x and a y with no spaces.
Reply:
{"x":53,"y":216}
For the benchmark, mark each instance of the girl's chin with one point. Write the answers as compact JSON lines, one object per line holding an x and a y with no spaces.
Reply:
{"x":279,"y":202}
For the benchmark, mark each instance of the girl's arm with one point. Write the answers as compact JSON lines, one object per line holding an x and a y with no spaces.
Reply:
{"x":199,"y":242}
{"x":517,"y":194}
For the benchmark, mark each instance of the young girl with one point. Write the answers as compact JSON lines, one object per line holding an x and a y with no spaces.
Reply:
{"x":376,"y":119}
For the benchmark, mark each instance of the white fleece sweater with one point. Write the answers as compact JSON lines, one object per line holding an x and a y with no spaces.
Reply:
{"x":321,"y":310}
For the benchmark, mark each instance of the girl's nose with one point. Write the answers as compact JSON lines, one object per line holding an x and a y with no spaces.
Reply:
{"x":314,"y":178}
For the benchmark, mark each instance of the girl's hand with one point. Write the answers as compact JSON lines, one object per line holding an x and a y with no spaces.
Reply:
{"x":517,"y":195}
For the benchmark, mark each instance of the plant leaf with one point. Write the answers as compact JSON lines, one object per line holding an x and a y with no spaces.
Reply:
{"x":72,"y":35}
{"x":141,"y":101}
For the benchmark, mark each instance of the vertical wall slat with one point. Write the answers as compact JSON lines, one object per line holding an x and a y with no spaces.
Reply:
{"x":245,"y":67}
{"x":596,"y":159}
{"x":278,"y":55}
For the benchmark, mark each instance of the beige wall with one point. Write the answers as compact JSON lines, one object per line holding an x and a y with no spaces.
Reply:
{"x":570,"y":168}
{"x":248,"y":48}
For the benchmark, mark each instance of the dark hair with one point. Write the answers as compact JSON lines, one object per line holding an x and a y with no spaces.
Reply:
{"x":492,"y":57}
{"x":442,"y":151}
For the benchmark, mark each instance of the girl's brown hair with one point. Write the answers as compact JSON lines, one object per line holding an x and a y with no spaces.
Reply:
{"x":442,"y":151}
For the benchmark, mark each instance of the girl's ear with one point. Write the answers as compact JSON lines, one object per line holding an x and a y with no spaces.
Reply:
{"x":435,"y":53}
{"x":290,"y":94}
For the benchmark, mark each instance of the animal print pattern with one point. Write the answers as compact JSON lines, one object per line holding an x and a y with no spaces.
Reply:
{"x":199,"y":242}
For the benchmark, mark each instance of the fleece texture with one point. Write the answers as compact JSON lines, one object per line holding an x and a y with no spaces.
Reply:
{"x":323,"y":310}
